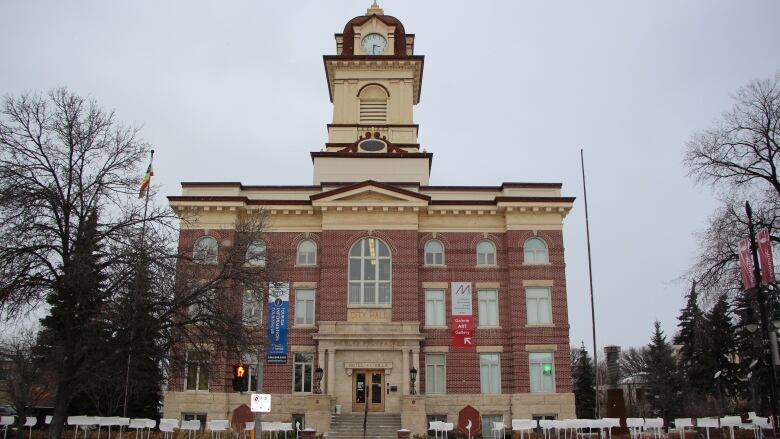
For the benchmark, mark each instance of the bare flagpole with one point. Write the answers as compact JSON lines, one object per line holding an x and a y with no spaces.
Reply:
{"x":590,"y":278}
{"x":132,"y":299}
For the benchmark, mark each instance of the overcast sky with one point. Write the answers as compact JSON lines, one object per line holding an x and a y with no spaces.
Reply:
{"x":236,"y":91}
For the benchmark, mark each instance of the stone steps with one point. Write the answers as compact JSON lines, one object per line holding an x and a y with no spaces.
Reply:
{"x":378,"y":426}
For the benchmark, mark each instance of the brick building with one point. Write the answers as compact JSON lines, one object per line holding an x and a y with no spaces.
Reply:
{"x":373,"y":257}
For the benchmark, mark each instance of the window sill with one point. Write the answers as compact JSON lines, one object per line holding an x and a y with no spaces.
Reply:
{"x":539,"y":325}
{"x":306,"y":326}
{"x":368,"y":306}
{"x":488,"y":327}
{"x":482,"y":267}
{"x":434,"y":266}
{"x":196,"y":391}
{"x":537,"y":264}
{"x":436,"y":327}
{"x":540,"y":392}
{"x":306,"y":266}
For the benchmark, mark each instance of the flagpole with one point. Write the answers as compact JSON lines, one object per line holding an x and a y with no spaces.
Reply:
{"x":590,"y":278}
{"x":132,"y":296}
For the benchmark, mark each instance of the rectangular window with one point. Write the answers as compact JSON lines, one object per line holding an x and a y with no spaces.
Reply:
{"x":253,"y":308}
{"x":435,"y":373}
{"x":490,"y":373}
{"x":488,"y":422}
{"x":303,"y":367}
{"x":537,"y":302}
{"x":488,"y":307}
{"x":197,"y":371}
{"x":434,"y":308}
{"x":304,"y":307}
{"x":542,"y":371}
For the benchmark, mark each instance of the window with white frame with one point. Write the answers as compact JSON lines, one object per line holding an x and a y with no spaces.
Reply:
{"x":307,"y":253}
{"x":535,"y":252}
{"x":490,"y":373}
{"x":197,"y":371}
{"x":205,"y":250}
{"x":542,"y":371}
{"x":253,"y":308}
{"x":434,"y":252}
{"x":434,"y":308}
{"x":370,"y":267}
{"x":537,"y":302}
{"x":303,"y":367}
{"x":250,"y":361}
{"x":486,"y":253}
{"x":435,"y":373}
{"x":304,"y":307}
{"x":256,"y":254}
{"x":488,"y":307}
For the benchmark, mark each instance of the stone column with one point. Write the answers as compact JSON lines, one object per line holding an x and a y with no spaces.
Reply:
{"x":331,"y":377}
{"x":404,"y":371}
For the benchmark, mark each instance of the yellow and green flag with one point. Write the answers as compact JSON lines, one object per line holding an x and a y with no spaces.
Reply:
{"x":146,"y":181}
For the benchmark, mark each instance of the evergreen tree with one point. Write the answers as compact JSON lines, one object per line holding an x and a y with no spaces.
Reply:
{"x":721,"y":350}
{"x":584,"y":385}
{"x":694,"y":356}
{"x":664,"y":392}
{"x":753,"y":381}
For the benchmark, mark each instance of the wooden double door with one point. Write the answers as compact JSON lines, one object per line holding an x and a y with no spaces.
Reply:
{"x":368,"y":387}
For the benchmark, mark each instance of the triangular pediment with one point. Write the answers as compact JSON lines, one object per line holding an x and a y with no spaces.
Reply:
{"x":370,"y":193}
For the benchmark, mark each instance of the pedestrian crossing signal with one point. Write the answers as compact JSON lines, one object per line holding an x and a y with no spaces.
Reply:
{"x":240,"y":380}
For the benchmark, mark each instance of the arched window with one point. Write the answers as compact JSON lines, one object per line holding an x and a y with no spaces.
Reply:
{"x":434,"y":252}
{"x":255,"y":254}
{"x":486,"y":253}
{"x":205,"y":251}
{"x":307,"y":253}
{"x":373,"y":104}
{"x":535,"y":251}
{"x":370,"y":265}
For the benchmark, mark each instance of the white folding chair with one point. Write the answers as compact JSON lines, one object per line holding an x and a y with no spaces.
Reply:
{"x":137,"y":425}
{"x":558,"y":425}
{"x":30,"y":422}
{"x":248,"y":426}
{"x":760,"y":424}
{"x":122,"y":423}
{"x":167,"y":426}
{"x":635,"y":426}
{"x":48,"y":419}
{"x":730,"y":422}
{"x":707,"y":423}
{"x":5,"y":422}
{"x":285,"y":427}
{"x":109,"y":421}
{"x":434,"y":425}
{"x":190,"y":427}
{"x":655,"y":426}
{"x":681,"y":424}
{"x":546,"y":425}
{"x":498,"y":430}
{"x":611,"y":423}
{"x":216,"y":427}
{"x":522,"y":425}
{"x":447,"y":427}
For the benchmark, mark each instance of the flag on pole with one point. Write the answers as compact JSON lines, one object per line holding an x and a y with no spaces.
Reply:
{"x":146,"y":181}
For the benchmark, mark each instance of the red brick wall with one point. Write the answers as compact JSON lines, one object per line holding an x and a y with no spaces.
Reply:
{"x":408,"y":299}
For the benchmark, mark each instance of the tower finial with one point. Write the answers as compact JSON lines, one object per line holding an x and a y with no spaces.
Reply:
{"x":375,"y":9}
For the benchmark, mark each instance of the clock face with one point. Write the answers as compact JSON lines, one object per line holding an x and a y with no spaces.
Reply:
{"x":374,"y":44}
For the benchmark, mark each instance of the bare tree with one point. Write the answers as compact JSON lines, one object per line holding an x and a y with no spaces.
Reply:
{"x":122,"y":294}
{"x":739,"y":157}
{"x":25,"y":372}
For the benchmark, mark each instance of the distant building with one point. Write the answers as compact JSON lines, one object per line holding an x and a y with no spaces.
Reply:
{"x":374,"y":255}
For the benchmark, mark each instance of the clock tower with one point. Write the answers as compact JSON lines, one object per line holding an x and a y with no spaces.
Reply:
{"x":374,"y":82}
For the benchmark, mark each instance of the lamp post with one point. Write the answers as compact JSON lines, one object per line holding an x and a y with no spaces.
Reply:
{"x":764,"y":323}
{"x":412,"y":379}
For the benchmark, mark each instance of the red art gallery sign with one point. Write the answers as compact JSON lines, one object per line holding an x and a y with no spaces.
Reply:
{"x":765,"y":256}
{"x":746,"y":264}
{"x":462,"y":319}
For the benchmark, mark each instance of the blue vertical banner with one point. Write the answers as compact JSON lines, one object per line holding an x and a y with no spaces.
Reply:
{"x":278,"y":306}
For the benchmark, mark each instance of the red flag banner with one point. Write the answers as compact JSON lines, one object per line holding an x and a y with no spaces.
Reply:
{"x":746,"y":264}
{"x":765,"y":256}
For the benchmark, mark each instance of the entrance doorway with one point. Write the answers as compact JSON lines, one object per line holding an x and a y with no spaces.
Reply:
{"x":368,"y":387}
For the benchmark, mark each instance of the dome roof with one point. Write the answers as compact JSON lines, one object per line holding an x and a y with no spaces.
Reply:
{"x":348,"y":47}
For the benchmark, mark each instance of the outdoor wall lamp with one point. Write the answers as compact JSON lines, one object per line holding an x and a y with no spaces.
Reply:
{"x":318,"y":380}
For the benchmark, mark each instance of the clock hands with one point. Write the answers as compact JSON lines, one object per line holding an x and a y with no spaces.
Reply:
{"x":375,"y":46}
